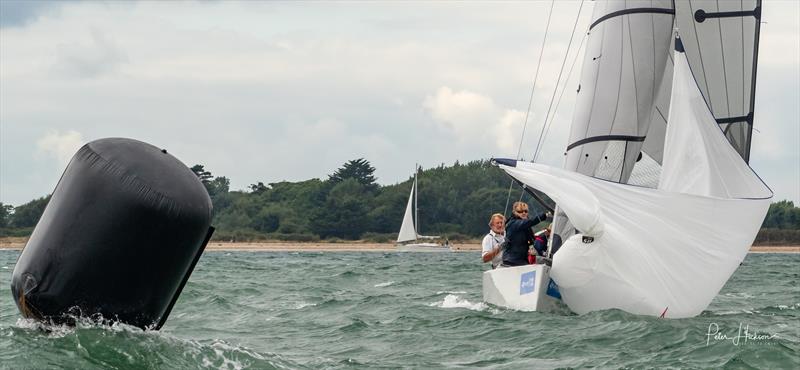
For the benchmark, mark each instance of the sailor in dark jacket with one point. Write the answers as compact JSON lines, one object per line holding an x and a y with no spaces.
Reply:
{"x":519,"y":235}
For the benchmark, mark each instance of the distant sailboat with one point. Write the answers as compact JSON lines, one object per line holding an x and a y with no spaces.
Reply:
{"x":408,"y":239}
{"x":664,"y":244}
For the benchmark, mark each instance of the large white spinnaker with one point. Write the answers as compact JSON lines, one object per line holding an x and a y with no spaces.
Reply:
{"x":665,"y":251}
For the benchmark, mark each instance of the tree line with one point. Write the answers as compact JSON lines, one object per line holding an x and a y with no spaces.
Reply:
{"x":454,"y":201}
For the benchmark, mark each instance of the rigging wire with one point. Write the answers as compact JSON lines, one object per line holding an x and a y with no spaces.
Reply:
{"x":558,"y":102}
{"x":558,"y":80}
{"x":530,"y":100}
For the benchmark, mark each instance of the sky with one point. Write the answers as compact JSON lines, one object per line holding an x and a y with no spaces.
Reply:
{"x":288,"y":91}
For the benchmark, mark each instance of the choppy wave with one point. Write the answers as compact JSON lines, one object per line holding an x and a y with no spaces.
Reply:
{"x":454,"y":301}
{"x":284,"y":310}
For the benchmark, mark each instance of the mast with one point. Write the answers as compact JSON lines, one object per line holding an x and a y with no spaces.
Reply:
{"x":416,"y":209}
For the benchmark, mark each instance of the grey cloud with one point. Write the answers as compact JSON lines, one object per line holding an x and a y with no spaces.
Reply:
{"x":18,"y":13}
{"x":87,"y":61}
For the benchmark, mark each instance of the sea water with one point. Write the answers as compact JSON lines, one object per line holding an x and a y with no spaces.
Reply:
{"x":419,"y":310}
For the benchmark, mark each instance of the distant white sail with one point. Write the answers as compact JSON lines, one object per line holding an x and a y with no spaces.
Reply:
{"x":407,"y":230}
{"x":665,"y":251}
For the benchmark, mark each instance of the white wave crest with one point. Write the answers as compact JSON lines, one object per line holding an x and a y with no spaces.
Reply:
{"x":381,"y":285}
{"x":454,"y":301}
{"x":304,"y":305}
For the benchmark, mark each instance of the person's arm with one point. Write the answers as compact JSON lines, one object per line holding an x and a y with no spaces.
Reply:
{"x":488,"y":256}
{"x":488,"y":252}
{"x":531,"y":222}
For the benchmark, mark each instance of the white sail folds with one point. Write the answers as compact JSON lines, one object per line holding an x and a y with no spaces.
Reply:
{"x":665,"y":251}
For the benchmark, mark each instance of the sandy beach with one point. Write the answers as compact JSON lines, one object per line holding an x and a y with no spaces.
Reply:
{"x":355,"y":246}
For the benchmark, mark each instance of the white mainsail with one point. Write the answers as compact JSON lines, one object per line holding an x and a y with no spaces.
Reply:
{"x":721,"y":43}
{"x":623,"y":69}
{"x":407,"y":230}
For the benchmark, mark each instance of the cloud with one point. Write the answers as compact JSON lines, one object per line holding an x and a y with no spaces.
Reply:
{"x":18,"y":13}
{"x":60,"y":146}
{"x":98,"y":57}
{"x":476,"y":120}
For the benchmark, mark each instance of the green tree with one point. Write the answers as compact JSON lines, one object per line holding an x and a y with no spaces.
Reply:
{"x":217,"y":186}
{"x":201,"y":173}
{"x":28,"y":214}
{"x":360,"y":170}
{"x":782,"y":215}
{"x":258,"y":188}
{"x":6,"y":211}
{"x":344,"y":212}
{"x":214,"y":185}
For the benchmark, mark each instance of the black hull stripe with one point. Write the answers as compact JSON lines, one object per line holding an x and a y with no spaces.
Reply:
{"x":632,"y":11}
{"x":605,"y":138}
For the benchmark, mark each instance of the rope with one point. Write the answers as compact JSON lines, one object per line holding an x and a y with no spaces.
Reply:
{"x":530,"y":100}
{"x":558,"y":102}
{"x":558,"y":80}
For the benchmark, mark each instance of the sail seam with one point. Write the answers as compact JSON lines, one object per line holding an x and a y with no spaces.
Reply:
{"x":605,"y":138}
{"x":596,"y":78}
{"x":631,"y":11}
{"x":619,"y":84}
{"x":635,"y":82}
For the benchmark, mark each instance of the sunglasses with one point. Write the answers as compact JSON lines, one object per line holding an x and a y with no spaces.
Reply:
{"x":523,"y":211}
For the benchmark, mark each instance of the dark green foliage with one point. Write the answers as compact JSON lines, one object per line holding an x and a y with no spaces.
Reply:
{"x":28,"y":214}
{"x":5,"y":214}
{"x":454,"y":202}
{"x":782,"y":215}
{"x":360,"y":170}
{"x":343,"y":214}
{"x":214,"y":186}
{"x":778,"y":237}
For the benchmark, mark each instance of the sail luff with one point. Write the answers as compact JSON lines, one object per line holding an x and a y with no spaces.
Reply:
{"x":756,"y":38}
{"x":416,"y":198}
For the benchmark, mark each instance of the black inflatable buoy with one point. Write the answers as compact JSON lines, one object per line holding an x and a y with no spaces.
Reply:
{"x":120,"y":236}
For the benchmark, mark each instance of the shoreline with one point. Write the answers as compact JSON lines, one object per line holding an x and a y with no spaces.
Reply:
{"x":354,"y":246}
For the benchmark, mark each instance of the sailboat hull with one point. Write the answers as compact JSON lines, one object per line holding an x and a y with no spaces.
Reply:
{"x":523,"y":288}
{"x":423,"y":247}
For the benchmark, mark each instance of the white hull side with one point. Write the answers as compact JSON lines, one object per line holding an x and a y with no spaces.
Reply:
{"x":423,"y":247}
{"x":523,"y":288}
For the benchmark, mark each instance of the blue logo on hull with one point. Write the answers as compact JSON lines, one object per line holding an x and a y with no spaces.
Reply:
{"x":552,"y":290}
{"x":527,"y":282}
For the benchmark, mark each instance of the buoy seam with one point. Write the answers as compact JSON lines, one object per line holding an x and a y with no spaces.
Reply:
{"x":153,"y":196}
